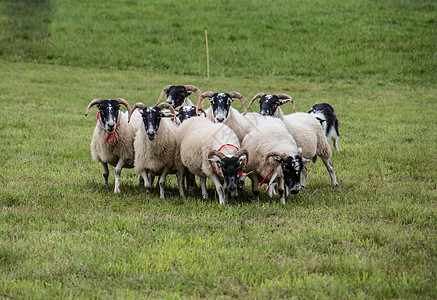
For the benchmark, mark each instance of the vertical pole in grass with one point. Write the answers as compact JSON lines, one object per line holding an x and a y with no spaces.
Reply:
{"x":207,"y":54}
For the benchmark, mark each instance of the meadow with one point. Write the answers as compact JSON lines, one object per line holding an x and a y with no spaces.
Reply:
{"x":63,"y":234}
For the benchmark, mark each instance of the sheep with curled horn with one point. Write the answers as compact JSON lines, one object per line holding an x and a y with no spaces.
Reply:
{"x":184,"y":112}
{"x":177,"y":95}
{"x":221,"y":111}
{"x":270,"y":104}
{"x":113,"y":137}
{"x":210,"y":150}
{"x":155,"y":144}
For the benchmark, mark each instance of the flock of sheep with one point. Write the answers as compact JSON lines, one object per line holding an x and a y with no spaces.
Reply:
{"x":220,"y":143}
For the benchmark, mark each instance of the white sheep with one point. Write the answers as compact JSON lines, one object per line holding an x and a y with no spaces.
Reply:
{"x":305,"y":129}
{"x":113,"y":137}
{"x":209,"y":150}
{"x":155,"y":144}
{"x":274,"y":155}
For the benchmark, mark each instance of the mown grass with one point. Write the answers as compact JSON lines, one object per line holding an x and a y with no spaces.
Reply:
{"x":65,"y":235}
{"x":386,"y":41}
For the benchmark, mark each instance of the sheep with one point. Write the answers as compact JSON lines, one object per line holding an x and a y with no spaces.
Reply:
{"x":177,"y":95}
{"x":209,"y":150}
{"x":222,"y":112}
{"x":155,"y":144}
{"x":113,"y":137}
{"x":273,"y":154}
{"x":326,"y":115}
{"x":306,"y":131}
{"x":187,"y":111}
{"x":270,"y":104}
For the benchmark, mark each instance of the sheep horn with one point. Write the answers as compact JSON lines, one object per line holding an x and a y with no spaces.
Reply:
{"x":242,"y":152}
{"x":166,"y":105}
{"x":202,"y":110}
{"x":216,"y":153}
{"x":136,"y":105}
{"x":124,"y":102}
{"x":162,"y":94}
{"x":201,"y":97}
{"x":271,"y":153}
{"x":193,"y":88}
{"x":259,"y":95}
{"x":234,"y":94}
{"x":285,"y":96}
{"x":93,"y":102}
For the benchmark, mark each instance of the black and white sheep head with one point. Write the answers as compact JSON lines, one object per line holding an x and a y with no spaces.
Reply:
{"x":152,"y":117}
{"x":221,"y":103}
{"x":268,"y":104}
{"x":229,"y":167}
{"x":187,"y":111}
{"x":291,"y":168}
{"x":108,"y":112}
{"x":176,"y":94}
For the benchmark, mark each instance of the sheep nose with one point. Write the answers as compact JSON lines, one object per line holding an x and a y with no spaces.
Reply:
{"x":220,"y":119}
{"x":110,"y":127}
{"x":151,"y":135}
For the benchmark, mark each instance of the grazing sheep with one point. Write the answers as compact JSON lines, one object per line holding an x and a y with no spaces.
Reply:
{"x":274,"y":155}
{"x":326,"y":115}
{"x":209,"y":150}
{"x":177,"y":95}
{"x":155,"y":144}
{"x":113,"y":137}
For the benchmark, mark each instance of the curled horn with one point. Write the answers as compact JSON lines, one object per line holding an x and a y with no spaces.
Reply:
{"x":193,"y":88}
{"x":234,"y":94}
{"x":271,"y":153}
{"x":125,"y":103}
{"x":200,"y":100}
{"x":285,"y":96}
{"x":259,"y":95}
{"x":202,"y":111}
{"x":93,"y":102}
{"x":162,"y":94}
{"x":216,"y":153}
{"x":166,"y":105}
{"x":136,"y":105}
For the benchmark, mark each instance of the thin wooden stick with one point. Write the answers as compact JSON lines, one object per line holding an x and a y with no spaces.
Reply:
{"x":207,"y":54}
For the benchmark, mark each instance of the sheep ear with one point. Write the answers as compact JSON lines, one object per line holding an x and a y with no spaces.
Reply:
{"x":283,"y":101}
{"x":299,"y":151}
{"x":188,"y":93}
{"x":140,"y":110}
{"x":242,"y":159}
{"x":274,"y":159}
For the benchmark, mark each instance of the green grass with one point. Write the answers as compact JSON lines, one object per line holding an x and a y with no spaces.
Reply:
{"x":63,"y":234}
{"x":385,"y":41}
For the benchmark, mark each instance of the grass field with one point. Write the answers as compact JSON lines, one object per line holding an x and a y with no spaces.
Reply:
{"x":63,"y":234}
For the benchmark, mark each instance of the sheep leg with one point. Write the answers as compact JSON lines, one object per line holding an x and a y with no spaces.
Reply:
{"x":117,"y":173}
{"x":203,"y":187}
{"x":281,"y":189}
{"x":140,"y":180}
{"x":105,"y":172}
{"x":219,"y":188}
{"x":304,"y":174}
{"x":330,"y":167}
{"x":146,"y":179}
{"x":255,"y":186}
{"x":161,"y":182}
{"x":180,"y":178}
{"x":334,"y":140}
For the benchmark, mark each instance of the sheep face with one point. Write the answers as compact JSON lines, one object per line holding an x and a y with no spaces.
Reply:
{"x":108,"y":115}
{"x":186,"y":112}
{"x":220,"y":104}
{"x":268,"y":104}
{"x":229,"y":167}
{"x":291,"y":167}
{"x":151,"y":120}
{"x":176,"y":95}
